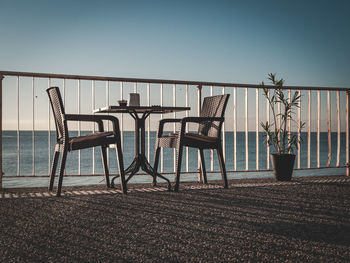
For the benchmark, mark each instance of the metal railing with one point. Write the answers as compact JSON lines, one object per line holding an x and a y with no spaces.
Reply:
{"x":236,"y":108}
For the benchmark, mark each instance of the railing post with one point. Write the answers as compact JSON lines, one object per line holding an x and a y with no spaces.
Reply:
{"x":347,"y":128}
{"x":1,"y":173}
{"x":199,"y":109}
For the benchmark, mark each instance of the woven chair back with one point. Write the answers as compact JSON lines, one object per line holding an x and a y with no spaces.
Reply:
{"x":58,"y":111}
{"x":213,"y":106}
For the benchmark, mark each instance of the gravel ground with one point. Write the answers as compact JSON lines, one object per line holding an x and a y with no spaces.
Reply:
{"x":297,"y":222}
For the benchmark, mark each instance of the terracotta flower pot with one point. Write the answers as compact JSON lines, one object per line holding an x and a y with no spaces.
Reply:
{"x":283,"y":165}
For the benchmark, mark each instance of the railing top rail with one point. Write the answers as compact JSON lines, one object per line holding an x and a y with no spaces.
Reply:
{"x":161,"y":81}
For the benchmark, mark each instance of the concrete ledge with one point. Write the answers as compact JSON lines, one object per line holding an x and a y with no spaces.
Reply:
{"x":90,"y":190}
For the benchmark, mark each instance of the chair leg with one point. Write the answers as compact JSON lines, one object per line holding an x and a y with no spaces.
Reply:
{"x":178,"y":168}
{"x":63,"y":165}
{"x":222,"y":166}
{"x":105,"y":165}
{"x":53,"y":170}
{"x":121,"y":169}
{"x":204,"y":172}
{"x":156,"y":162}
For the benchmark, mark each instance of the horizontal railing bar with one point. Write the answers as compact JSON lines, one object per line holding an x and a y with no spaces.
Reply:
{"x":182,"y":172}
{"x":162,"y":81}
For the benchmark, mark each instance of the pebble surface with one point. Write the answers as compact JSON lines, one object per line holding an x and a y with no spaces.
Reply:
{"x":296,"y":222}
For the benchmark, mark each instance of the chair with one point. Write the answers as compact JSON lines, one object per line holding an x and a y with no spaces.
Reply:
{"x":65,"y":144}
{"x":208,"y":136}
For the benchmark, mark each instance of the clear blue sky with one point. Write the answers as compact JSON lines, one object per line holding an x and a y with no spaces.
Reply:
{"x":306,"y":42}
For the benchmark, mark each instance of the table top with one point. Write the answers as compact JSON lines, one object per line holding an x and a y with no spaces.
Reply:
{"x":140,"y":109}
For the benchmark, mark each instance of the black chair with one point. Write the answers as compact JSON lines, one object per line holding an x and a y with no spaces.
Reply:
{"x":65,"y":144}
{"x":208,"y":136}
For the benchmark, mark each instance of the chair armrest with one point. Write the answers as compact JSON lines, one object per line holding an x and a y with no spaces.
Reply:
{"x":95,"y":118}
{"x":201,"y":119}
{"x":185,"y":120}
{"x":83,"y":117}
{"x":162,"y":123}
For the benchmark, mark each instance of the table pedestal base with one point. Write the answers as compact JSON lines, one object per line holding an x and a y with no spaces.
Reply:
{"x":140,"y":162}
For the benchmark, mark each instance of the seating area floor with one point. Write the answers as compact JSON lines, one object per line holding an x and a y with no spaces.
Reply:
{"x":305,"y":220}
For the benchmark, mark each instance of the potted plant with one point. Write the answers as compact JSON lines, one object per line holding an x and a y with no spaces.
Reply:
{"x":276,"y":131}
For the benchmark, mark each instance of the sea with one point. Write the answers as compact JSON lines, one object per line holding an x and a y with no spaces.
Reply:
{"x":13,"y":173}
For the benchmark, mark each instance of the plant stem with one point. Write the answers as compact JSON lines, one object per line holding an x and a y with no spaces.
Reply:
{"x":284,"y":130}
{"x":277,"y":144}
